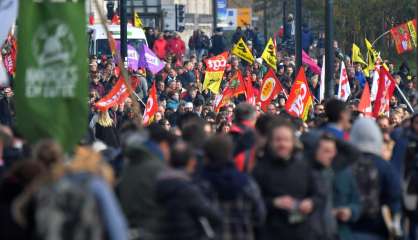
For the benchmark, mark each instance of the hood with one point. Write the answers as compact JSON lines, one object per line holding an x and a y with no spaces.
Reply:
{"x":366,"y":136}
{"x":226,"y":181}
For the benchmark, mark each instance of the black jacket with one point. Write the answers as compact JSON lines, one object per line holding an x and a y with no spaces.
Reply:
{"x":108,"y":135}
{"x":183,"y":207}
{"x":276,"y":178}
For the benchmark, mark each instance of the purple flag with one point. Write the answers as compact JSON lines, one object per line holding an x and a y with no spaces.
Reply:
{"x":133,"y":56}
{"x":154,"y":64}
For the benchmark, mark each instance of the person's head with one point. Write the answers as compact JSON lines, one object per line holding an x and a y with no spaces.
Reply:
{"x":48,"y":152}
{"x":337,"y":112}
{"x":161,"y":86}
{"x":163,"y":138}
{"x":224,"y":127}
{"x":271,"y":109}
{"x":393,"y":102}
{"x":281,"y":139}
{"x":158,"y":116}
{"x":104,"y":119}
{"x":218,"y":151}
{"x":289,"y":70}
{"x":383,"y":122}
{"x":188,"y":107}
{"x":165,"y":124}
{"x":245,"y":112}
{"x":366,"y":136}
{"x":395,"y":118}
{"x":182,"y":157}
{"x":319,"y":109}
{"x":397,"y":78}
{"x":326,"y":150}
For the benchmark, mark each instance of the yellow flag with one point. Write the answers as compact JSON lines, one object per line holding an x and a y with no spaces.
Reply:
{"x":269,"y":55}
{"x":356,"y":56}
{"x":213,"y":81}
{"x":138,"y":22}
{"x":372,"y":56}
{"x":242,"y":51}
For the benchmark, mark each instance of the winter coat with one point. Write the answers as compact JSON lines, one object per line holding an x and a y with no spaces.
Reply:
{"x":137,"y":187}
{"x":277,"y":177}
{"x":183,"y":207}
{"x":345,"y":194}
{"x":160,"y":48}
{"x":108,"y":135}
{"x":176,"y":46}
{"x":238,"y":198}
{"x":218,"y":44}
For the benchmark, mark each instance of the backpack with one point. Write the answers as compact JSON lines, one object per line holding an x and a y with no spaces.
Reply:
{"x":67,"y":210}
{"x":367,"y":177}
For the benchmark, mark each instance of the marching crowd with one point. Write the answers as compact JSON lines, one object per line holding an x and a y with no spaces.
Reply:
{"x":239,"y":173}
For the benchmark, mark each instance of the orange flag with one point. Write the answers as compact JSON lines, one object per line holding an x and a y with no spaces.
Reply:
{"x":236,"y":84}
{"x":269,"y":89}
{"x":152,"y":106}
{"x":300,"y":98}
{"x":365,"y":105}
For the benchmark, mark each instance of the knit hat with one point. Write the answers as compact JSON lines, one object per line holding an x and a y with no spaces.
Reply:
{"x":366,"y":136}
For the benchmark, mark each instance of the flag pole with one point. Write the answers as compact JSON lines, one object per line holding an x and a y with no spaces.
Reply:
{"x":405,"y":99}
{"x":378,"y":38}
{"x":119,"y":60}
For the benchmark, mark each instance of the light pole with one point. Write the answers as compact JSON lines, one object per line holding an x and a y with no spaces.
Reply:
{"x":123,"y":30}
{"x":298,"y":34}
{"x":329,"y":49}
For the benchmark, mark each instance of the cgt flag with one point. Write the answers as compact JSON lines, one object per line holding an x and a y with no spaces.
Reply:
{"x":269,"y":55}
{"x":270,"y":88}
{"x":152,"y":106}
{"x":300,"y":98}
{"x":51,"y":79}
{"x":242,"y":51}
{"x":344,"y":89}
{"x":402,"y":37}
{"x":215,"y":67}
{"x":385,"y":91}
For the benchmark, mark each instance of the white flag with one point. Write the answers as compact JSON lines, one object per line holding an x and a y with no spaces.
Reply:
{"x":375,"y":84}
{"x":322,"y":83}
{"x":344,"y":89}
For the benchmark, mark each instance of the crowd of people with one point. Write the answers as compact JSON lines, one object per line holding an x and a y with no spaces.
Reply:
{"x":196,"y":173}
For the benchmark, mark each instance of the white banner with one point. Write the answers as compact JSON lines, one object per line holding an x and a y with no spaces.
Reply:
{"x":8,"y":13}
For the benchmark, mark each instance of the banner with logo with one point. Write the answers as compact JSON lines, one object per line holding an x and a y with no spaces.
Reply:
{"x":9,"y":54}
{"x":215,"y":67}
{"x":344,"y":90}
{"x":269,"y":55}
{"x":8,"y":13}
{"x":51,"y":79}
{"x":270,"y":88}
{"x":306,"y":59}
{"x":300,"y":99}
{"x":132,"y":57}
{"x":148,"y":59}
{"x":117,"y":95}
{"x":151,"y":107}
{"x":402,"y":37}
{"x":242,"y":51}
{"x":385,"y":91}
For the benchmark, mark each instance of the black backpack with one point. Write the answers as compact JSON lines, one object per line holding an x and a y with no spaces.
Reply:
{"x":368,"y":182}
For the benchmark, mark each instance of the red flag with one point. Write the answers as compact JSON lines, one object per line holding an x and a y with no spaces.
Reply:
{"x":116,"y":19}
{"x":9,"y":58}
{"x":117,"y":95}
{"x":152,"y":106}
{"x":300,"y":98}
{"x":217,"y":63}
{"x":236,"y":84}
{"x":344,"y":90}
{"x":270,"y":88}
{"x":402,"y":36}
{"x":249,"y":91}
{"x":91,"y":18}
{"x":365,"y":105}
{"x":385,"y":91}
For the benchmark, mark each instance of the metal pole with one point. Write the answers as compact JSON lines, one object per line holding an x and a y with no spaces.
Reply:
{"x":416,"y":52}
{"x":132,"y":13}
{"x":123,"y":30}
{"x":405,"y":98}
{"x":329,"y":49}
{"x":265,"y":20}
{"x":298,"y":34}
{"x":215,"y":15}
{"x":285,"y":19}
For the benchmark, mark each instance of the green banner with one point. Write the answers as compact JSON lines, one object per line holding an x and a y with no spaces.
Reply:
{"x":51,"y":82}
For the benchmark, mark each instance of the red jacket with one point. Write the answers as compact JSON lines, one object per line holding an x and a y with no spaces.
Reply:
{"x":160,"y":46}
{"x":176,"y":46}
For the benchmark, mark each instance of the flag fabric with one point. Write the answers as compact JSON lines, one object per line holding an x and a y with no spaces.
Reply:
{"x":365,"y":105}
{"x":236,"y":85}
{"x":249,"y":91}
{"x":412,"y":26}
{"x":215,"y":67}
{"x":269,"y":89}
{"x":306,"y":59}
{"x":9,"y":55}
{"x":269,"y":55}
{"x":116,"y":19}
{"x":242,"y":51}
{"x":300,"y":98}
{"x":402,"y":37}
{"x":51,"y":80}
{"x":117,"y":95}
{"x":152,"y":62}
{"x":151,"y":107}
{"x":344,"y":89}
{"x":112,"y":44}
{"x":137,"y":20}
{"x":132,"y":57}
{"x":375,"y":83}
{"x":322,"y":83}
{"x":387,"y":86}
{"x":91,"y":19}
{"x":356,"y":56}
{"x":372,"y":57}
